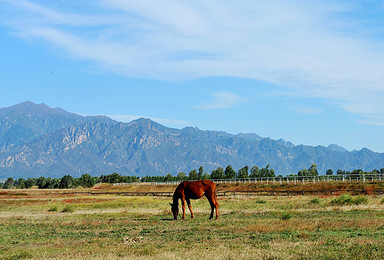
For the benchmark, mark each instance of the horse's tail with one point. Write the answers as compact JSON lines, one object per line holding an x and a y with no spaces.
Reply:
{"x":215,"y":195}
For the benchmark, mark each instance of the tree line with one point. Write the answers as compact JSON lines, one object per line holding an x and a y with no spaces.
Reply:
{"x":86,"y":180}
{"x":312,"y":171}
{"x":219,"y":173}
{"x":67,"y":181}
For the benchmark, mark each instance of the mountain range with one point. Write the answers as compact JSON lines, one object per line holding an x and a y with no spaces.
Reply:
{"x":36,"y":140}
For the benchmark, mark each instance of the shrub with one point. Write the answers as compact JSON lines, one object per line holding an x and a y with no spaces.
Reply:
{"x":286,"y":215}
{"x":344,"y":199}
{"x":260,"y":201}
{"x":68,"y":209}
{"x":314,"y":201}
{"x":382,"y":201}
{"x":53,"y":209}
{"x":347,"y":199}
{"x":360,"y":199}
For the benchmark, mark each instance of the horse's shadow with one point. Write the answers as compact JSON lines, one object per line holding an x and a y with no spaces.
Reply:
{"x":167,"y":219}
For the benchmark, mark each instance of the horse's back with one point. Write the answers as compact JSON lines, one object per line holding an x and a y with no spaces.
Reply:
{"x":197,"y":189}
{"x":205,"y":184}
{"x":209,"y":185}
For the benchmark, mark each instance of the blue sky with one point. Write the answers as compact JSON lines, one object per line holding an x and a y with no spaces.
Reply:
{"x":310,"y":72}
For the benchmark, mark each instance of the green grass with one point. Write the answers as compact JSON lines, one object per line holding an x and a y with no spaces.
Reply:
{"x":347,"y":199}
{"x":315,"y":201}
{"x":53,"y":209}
{"x":141,"y":228}
{"x":68,"y":209}
{"x":286,"y":215}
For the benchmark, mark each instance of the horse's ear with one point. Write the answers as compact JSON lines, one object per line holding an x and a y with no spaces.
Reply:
{"x":171,"y":204}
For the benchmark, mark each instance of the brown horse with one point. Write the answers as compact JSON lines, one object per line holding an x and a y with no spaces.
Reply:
{"x":188,"y":190}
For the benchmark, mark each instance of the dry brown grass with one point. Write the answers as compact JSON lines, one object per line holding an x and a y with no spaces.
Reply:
{"x":299,"y":186}
{"x":121,"y":227}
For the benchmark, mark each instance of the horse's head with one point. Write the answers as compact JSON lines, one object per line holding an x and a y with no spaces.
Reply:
{"x":175,"y":210}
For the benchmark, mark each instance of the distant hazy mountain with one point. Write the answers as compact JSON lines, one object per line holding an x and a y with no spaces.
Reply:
{"x":36,"y":140}
{"x":336,"y":148}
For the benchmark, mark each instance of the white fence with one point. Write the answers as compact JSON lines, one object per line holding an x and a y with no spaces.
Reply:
{"x":287,"y":179}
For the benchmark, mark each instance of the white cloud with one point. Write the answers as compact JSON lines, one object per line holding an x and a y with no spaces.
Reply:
{"x":222,"y":100}
{"x":307,"y":110}
{"x":303,"y":45}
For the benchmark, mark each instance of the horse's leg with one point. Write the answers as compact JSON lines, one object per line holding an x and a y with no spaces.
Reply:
{"x":183,"y":206}
{"x":189,"y":206}
{"x":209,"y":197}
{"x":216,"y":204}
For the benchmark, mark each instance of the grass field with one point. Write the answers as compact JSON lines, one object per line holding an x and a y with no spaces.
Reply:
{"x":36,"y":225}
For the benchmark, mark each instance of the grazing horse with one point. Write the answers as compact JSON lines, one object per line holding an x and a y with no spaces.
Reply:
{"x":188,"y":190}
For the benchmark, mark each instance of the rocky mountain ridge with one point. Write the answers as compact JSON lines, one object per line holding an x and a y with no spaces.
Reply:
{"x":36,"y":140}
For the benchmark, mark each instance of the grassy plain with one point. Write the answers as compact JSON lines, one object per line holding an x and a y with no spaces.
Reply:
{"x":38,"y":225}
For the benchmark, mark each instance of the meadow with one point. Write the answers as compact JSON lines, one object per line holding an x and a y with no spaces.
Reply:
{"x":42,"y":225}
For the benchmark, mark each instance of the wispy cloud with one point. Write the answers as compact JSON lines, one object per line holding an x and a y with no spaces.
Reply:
{"x":307,"y":110}
{"x":308,"y":46}
{"x":222,"y":100}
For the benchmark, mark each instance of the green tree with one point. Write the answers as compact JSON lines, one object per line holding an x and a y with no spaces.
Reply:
{"x":357,"y":171}
{"x":49,"y":183}
{"x":375,"y":171}
{"x":9,"y":183}
{"x":30,"y":182}
{"x":243,"y":173}
{"x":255,"y":172}
{"x":329,"y":172}
{"x":41,"y":182}
{"x":181,"y":176}
{"x":200,"y":173}
{"x":229,"y":172}
{"x":67,"y":182}
{"x":168,"y":177}
{"x":193,"y":175}
{"x":20,"y":183}
{"x":313,"y":170}
{"x":303,"y":172}
{"x":218,"y":173}
{"x":86,"y":180}
{"x":271,"y":173}
{"x":114,"y":178}
{"x":206,"y":176}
